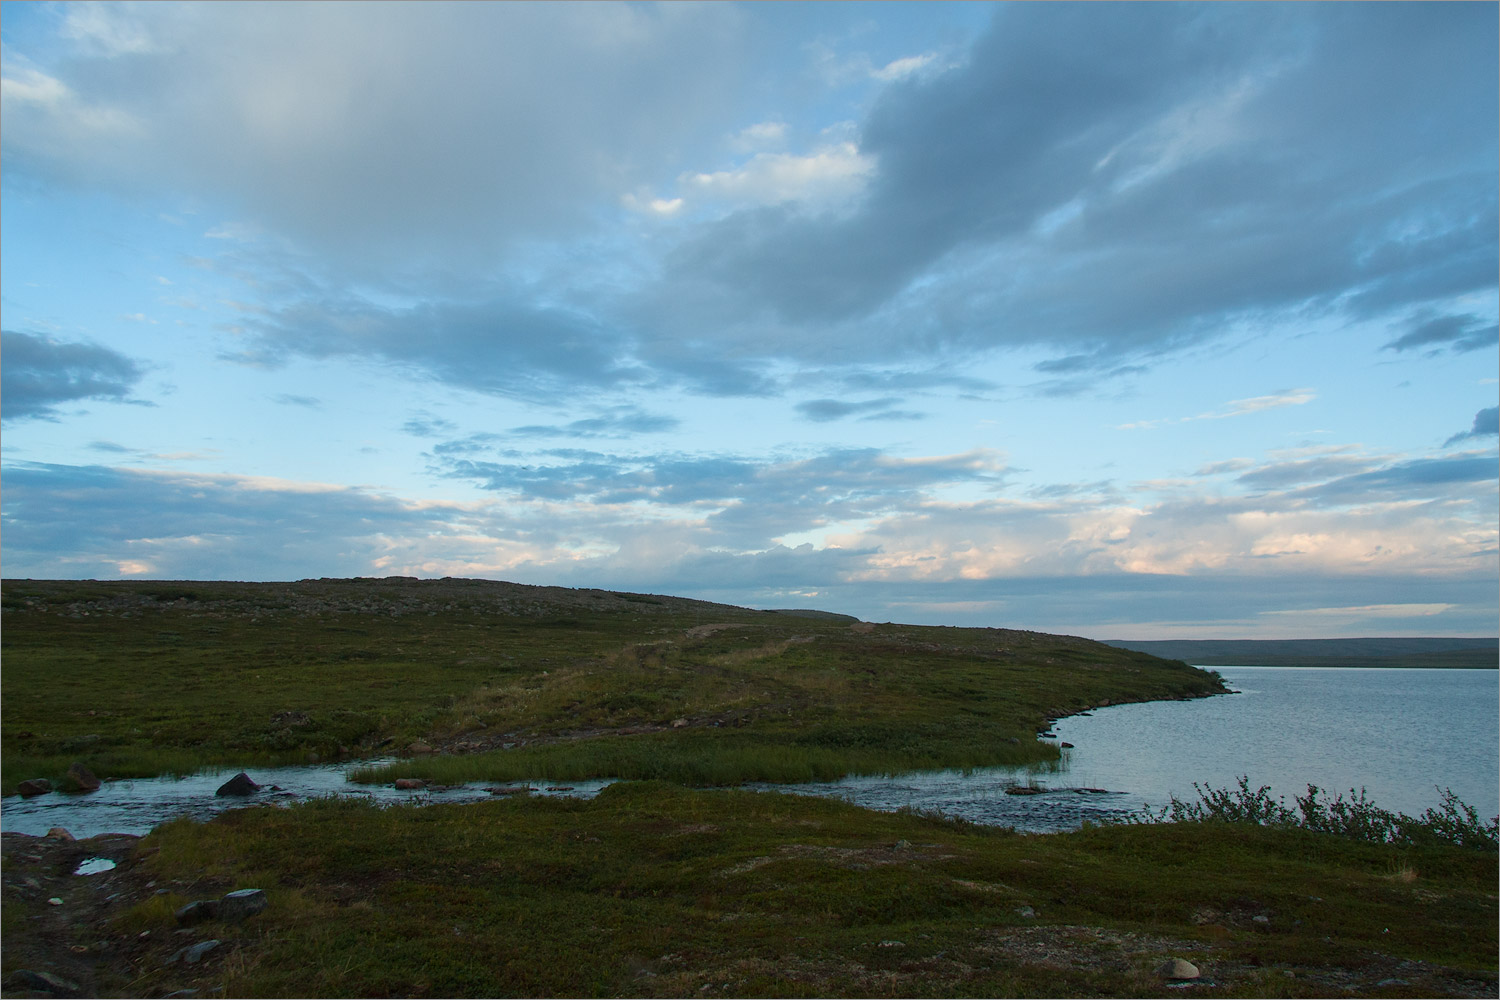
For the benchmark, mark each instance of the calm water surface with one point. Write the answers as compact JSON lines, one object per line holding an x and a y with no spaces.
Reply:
{"x":1399,"y":734}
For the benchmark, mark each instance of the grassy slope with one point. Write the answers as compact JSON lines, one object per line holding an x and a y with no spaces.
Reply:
{"x":142,"y":678}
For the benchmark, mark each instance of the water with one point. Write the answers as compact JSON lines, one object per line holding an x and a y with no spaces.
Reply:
{"x":1397,"y":733}
{"x":137,"y":805}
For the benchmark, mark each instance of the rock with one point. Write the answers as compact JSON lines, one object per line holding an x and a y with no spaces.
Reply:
{"x":58,"y":833}
{"x":1067,"y":746}
{"x":240,"y":784}
{"x":1025,"y":911}
{"x":193,"y":953}
{"x":1261,"y":918}
{"x":1103,"y":703}
{"x":509,"y":790}
{"x":420,"y":748}
{"x":1023,"y":790}
{"x":44,"y":982}
{"x":55,"y":901}
{"x":891,"y":944}
{"x":241,"y":904}
{"x":559,"y":788}
{"x":31,"y":787}
{"x":1177,"y":968}
{"x":410,"y":784}
{"x":679,"y":723}
{"x":83,"y":777}
{"x":197,"y":911}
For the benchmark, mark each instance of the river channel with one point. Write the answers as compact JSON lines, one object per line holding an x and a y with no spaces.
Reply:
{"x":1400,"y":734}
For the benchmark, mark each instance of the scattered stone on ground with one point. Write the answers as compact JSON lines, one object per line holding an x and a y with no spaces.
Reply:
{"x":1177,"y":968}
{"x":83,"y":777}
{"x":241,"y":904}
{"x":197,"y":911}
{"x":193,"y":953}
{"x":240,"y":784}
{"x":45,"y":982}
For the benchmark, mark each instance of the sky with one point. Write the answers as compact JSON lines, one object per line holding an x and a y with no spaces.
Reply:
{"x":1125,"y":321}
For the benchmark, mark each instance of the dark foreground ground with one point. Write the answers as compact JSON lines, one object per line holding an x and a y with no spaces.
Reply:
{"x":656,"y":890}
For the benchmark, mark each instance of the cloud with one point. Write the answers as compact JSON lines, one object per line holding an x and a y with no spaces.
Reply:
{"x":1236,"y":408}
{"x":424,"y":424}
{"x":39,"y":373}
{"x":290,"y":399}
{"x":1453,"y":332}
{"x":1486,"y":424}
{"x":825,"y":410}
{"x":1122,"y":181}
{"x":616,"y":422}
{"x":831,"y":175}
{"x":321,"y":122}
{"x":498,"y":346}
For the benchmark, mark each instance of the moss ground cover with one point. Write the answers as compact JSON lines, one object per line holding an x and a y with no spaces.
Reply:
{"x":138,"y":678}
{"x":656,"y":890}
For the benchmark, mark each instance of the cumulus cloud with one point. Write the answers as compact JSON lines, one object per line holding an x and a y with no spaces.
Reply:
{"x":1486,"y":424}
{"x":38,"y":374}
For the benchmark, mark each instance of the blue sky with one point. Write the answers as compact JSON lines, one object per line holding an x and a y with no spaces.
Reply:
{"x":1126,"y":321}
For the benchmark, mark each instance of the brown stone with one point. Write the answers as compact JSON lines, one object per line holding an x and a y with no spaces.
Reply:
{"x":410,"y":784}
{"x":83,"y":777}
{"x":33,"y":786}
{"x":58,"y":833}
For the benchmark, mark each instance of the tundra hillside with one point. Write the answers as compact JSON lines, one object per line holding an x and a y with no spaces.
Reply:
{"x":507,"y":681}
{"x":653,"y":889}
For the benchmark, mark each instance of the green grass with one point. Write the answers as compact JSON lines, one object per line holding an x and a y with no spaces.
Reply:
{"x":139,"y":678}
{"x":656,"y":890}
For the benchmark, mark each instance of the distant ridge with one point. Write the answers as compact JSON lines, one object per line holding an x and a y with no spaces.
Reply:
{"x":1364,"y":652}
{"x":811,"y":613}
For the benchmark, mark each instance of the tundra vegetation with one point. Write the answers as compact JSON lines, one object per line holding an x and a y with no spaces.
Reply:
{"x":655,"y":888}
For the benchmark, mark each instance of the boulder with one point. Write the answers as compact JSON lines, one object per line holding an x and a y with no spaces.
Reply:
{"x":679,"y":723}
{"x":58,"y":833}
{"x":240,"y":904}
{"x":33,"y":786}
{"x":420,"y":748}
{"x":410,"y":784}
{"x":83,"y":777}
{"x":1177,"y":968}
{"x":240,"y":784}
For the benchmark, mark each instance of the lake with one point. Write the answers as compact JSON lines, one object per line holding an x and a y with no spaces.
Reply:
{"x":1400,"y":734}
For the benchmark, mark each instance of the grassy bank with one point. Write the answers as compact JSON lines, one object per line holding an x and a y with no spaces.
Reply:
{"x":140,"y":678}
{"x":656,"y":890}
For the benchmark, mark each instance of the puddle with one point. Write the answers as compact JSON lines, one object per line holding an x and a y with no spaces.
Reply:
{"x":93,"y":866}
